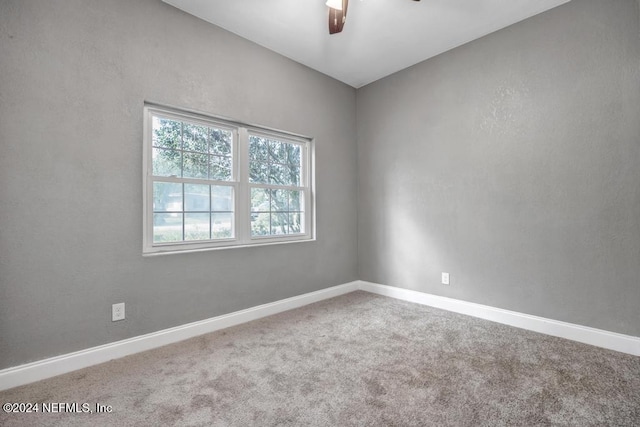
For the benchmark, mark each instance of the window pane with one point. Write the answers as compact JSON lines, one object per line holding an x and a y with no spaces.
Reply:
{"x":194,"y":138}
{"x":258,"y":149}
{"x":196,"y":226}
{"x":220,"y":141}
{"x":167,"y":162}
{"x":259,"y":172}
{"x":167,"y":227}
{"x":274,"y":162}
{"x":295,"y":222}
{"x":279,"y":174}
{"x":196,"y":197}
{"x":222,"y":198}
{"x":280,"y":223}
{"x":277,"y":152}
{"x":293,"y":154}
{"x":167,"y":197}
{"x":220,"y":168}
{"x":260,"y":200}
{"x":196,"y":165}
{"x":294,"y":200}
{"x":260,"y":225}
{"x":279,"y":200}
{"x":222,"y":225}
{"x":294,"y":175}
{"x":167,"y":133}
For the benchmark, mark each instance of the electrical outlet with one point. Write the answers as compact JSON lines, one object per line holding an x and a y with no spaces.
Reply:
{"x":445,"y":278}
{"x":117,"y":312}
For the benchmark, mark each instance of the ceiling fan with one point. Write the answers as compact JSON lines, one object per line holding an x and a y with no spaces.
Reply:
{"x":338,"y":14}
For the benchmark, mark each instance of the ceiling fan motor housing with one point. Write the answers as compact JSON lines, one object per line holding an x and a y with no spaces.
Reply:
{"x":337,"y":17}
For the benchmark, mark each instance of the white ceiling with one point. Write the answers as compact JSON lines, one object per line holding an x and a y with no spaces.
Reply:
{"x":379,"y":38}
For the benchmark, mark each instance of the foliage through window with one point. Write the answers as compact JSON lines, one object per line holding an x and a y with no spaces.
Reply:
{"x":275,"y":169}
{"x":214,"y":183}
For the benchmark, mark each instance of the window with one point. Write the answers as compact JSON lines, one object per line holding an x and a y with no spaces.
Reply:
{"x":212,"y":183}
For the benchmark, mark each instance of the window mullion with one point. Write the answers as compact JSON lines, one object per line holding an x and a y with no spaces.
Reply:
{"x":242,"y":215}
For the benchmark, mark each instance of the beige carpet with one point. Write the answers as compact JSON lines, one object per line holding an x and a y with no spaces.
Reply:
{"x":355,"y":360}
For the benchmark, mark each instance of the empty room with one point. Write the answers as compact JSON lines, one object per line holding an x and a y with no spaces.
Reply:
{"x":322,"y":213}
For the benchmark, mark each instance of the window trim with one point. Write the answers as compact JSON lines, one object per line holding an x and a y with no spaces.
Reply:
{"x":239,"y":181}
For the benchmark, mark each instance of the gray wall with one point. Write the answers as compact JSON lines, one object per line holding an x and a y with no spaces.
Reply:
{"x":73,"y":79}
{"x":513,"y":163}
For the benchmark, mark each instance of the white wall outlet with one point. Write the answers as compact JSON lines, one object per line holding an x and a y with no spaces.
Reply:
{"x":117,"y":312}
{"x":445,"y":278}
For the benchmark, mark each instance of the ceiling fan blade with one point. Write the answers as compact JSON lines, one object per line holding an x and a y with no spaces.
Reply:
{"x":337,"y":18}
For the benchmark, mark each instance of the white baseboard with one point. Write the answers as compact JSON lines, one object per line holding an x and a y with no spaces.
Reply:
{"x":47,"y":368}
{"x":596,"y":337}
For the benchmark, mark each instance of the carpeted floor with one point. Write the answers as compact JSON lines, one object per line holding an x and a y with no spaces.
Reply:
{"x":356,"y":360}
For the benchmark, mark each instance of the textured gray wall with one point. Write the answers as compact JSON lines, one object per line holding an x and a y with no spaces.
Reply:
{"x":513,"y":163}
{"x":73,"y":79}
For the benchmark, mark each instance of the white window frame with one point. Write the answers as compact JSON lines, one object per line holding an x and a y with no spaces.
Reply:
{"x":239,"y":182}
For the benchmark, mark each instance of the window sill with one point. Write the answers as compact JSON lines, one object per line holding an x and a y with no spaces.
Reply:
{"x":220,"y":248}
